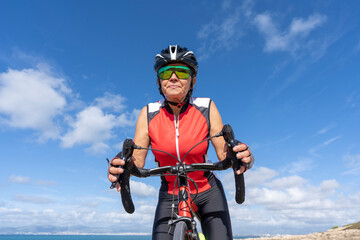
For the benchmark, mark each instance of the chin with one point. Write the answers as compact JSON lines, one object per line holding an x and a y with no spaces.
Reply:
{"x":174,"y":98}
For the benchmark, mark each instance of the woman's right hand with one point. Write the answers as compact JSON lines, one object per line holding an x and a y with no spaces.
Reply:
{"x":115,"y":170}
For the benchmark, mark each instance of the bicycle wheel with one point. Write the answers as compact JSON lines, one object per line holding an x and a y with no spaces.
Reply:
{"x":180,"y":232}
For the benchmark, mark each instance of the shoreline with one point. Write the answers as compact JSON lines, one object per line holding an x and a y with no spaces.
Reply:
{"x":347,"y":232}
{"x":332,"y":234}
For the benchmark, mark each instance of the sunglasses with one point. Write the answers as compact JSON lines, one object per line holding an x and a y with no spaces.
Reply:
{"x":181,"y":72}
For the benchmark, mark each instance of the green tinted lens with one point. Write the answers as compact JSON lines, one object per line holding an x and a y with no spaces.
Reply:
{"x":165,"y":74}
{"x":181,"y":72}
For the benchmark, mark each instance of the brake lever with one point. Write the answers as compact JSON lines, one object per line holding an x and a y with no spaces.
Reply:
{"x":124,"y":178}
{"x":118,"y":179}
{"x":229,"y":137}
{"x":128,"y":149}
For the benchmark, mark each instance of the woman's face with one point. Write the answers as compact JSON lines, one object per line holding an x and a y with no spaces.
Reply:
{"x":176,"y":89}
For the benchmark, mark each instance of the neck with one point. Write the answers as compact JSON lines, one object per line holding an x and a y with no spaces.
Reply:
{"x":175,"y":110}
{"x":177,"y":105}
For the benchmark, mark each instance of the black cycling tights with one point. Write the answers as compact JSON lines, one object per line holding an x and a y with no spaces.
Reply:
{"x":213,"y":209}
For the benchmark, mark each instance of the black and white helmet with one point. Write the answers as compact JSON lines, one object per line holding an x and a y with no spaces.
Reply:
{"x":176,"y":54}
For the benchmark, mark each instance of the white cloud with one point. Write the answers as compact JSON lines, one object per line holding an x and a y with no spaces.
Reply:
{"x":85,"y":214}
{"x":35,"y":98}
{"x":291,"y":204}
{"x":93,"y":126}
{"x":353,"y":99}
{"x":32,"y":98}
{"x":353,"y":163}
{"x":259,"y":176}
{"x":269,"y":144}
{"x":226,"y":30}
{"x":325,"y":129}
{"x":218,"y":36}
{"x":288,"y":204}
{"x":294,"y":192}
{"x":142,"y":190}
{"x":129,"y":118}
{"x":253,"y":178}
{"x":291,"y":39}
{"x":119,"y":145}
{"x":331,"y":141}
{"x":98,"y":147}
{"x":32,"y":199}
{"x":286,"y":182}
{"x":328,"y":186}
{"x":313,"y":150}
{"x":224,"y":34}
{"x":19,"y":179}
{"x":110,"y":101}
{"x":28,"y":180}
{"x":301,"y":165}
{"x":280,"y":205}
{"x":39,"y":99}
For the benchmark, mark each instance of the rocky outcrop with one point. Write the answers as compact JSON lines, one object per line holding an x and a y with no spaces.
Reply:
{"x":343,"y":233}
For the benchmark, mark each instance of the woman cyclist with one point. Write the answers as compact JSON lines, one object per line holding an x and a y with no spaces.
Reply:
{"x":175,"y":124}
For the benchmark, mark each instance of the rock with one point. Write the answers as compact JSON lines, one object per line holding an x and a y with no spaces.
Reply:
{"x":332,"y":234}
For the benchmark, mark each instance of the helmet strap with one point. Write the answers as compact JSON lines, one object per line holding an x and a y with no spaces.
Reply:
{"x":180,"y":104}
{"x":189,"y":93}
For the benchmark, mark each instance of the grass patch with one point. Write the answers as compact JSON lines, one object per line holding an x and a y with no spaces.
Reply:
{"x":352,"y":226}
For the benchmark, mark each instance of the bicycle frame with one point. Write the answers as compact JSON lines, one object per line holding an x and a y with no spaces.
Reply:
{"x":186,"y":208}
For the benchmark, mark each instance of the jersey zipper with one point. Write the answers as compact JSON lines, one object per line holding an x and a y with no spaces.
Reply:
{"x":176,"y":121}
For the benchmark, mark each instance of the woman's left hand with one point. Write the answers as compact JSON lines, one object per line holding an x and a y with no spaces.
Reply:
{"x":243,"y":153}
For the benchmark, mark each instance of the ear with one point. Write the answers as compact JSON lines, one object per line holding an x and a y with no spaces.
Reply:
{"x":193,"y":81}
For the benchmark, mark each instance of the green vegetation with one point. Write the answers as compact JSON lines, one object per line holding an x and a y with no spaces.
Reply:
{"x":352,"y":226}
{"x":349,"y":226}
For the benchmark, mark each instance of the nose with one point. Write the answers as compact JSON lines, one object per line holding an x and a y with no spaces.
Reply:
{"x":173,"y":77}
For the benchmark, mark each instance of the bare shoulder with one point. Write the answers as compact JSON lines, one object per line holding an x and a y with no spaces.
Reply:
{"x":141,"y":125}
{"x":143,"y":113}
{"x":216,"y":126}
{"x":215,"y":119}
{"x":141,"y":138}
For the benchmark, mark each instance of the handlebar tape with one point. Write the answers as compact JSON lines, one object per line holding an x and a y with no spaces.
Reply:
{"x":229,"y":137}
{"x":128,"y":149}
{"x":124,"y":178}
{"x":125,"y":192}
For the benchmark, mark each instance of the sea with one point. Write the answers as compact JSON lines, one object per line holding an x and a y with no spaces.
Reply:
{"x":83,"y":237}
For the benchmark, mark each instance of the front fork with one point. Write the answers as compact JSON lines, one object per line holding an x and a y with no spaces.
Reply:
{"x":187,"y":209}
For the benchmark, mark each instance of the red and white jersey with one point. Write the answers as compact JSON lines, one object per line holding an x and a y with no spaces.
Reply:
{"x":177,"y":136}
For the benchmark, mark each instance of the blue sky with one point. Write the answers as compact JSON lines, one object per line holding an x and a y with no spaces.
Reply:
{"x":75,"y":74}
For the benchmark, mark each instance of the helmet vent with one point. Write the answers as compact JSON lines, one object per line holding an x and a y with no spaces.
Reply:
{"x":173,"y":52}
{"x":176,"y":54}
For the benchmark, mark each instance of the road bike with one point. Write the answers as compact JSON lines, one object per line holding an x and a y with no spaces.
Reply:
{"x":184,"y":210}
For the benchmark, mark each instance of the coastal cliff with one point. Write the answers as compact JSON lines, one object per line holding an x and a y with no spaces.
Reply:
{"x":347,"y":232}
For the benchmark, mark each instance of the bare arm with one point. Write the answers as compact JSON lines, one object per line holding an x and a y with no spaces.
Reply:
{"x":141,"y":138}
{"x":216,"y":125}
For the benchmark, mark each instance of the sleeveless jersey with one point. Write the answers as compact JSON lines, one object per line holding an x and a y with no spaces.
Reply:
{"x":178,"y":136}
